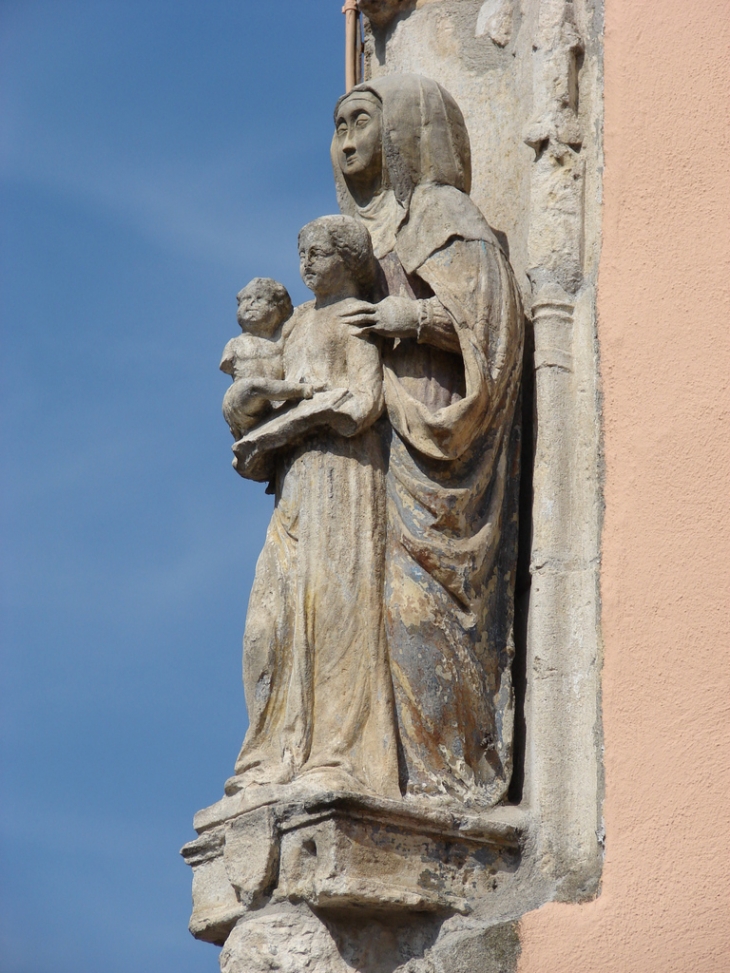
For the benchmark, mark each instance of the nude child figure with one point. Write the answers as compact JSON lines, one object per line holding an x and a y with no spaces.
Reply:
{"x":254,"y":358}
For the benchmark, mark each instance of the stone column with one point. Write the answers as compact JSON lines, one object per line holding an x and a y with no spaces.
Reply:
{"x":562,"y":664}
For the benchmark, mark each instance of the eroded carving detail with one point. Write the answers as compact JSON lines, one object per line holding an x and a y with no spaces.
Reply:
{"x":495,"y":21}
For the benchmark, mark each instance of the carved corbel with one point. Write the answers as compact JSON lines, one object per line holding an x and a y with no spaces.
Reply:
{"x":381,"y":12}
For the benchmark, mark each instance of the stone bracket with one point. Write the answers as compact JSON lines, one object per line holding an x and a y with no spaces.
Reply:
{"x":341,"y":851}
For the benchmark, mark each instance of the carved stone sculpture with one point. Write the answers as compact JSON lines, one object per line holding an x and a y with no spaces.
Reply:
{"x":378,"y":642}
{"x":316,"y":674}
{"x":254,"y":360}
{"x":452,"y":328}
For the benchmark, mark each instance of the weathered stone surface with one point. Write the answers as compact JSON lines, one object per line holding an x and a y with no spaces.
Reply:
{"x":351,"y":853}
{"x":495,"y":21}
{"x":251,"y":856}
{"x":286,"y":940}
{"x":216,"y":907}
{"x":345,"y":851}
{"x":295,"y":939}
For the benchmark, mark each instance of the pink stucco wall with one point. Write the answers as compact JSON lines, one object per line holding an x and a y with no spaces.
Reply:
{"x":664,"y":329}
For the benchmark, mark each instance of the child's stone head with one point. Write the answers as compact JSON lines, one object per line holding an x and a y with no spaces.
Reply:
{"x":336,"y":258}
{"x":263,"y":306}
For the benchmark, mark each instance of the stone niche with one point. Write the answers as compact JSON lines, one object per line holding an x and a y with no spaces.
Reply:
{"x":326,"y":878}
{"x":527,"y":75}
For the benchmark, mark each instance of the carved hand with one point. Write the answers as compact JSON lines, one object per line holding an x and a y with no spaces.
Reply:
{"x":393,"y":317}
{"x":254,"y":451}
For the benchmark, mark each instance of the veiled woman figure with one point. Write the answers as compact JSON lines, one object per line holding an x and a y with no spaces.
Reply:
{"x":452,"y":329}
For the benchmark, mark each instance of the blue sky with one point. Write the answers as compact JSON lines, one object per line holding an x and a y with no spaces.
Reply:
{"x":156,"y":155}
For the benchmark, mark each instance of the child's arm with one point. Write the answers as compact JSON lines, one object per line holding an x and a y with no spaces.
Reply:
{"x":228,"y":358}
{"x":255,"y":450}
{"x":260,"y":387}
{"x":347,"y":411}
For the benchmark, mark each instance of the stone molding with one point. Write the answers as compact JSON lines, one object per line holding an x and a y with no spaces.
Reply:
{"x":336,"y":851}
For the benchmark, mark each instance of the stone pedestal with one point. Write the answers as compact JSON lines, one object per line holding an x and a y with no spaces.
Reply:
{"x":300,"y":870}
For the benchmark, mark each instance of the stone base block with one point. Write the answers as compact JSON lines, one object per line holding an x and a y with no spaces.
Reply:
{"x":345,"y":854}
{"x":216,"y":906}
{"x":336,"y":851}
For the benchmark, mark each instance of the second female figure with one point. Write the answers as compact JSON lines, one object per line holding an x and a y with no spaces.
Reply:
{"x":316,"y":675}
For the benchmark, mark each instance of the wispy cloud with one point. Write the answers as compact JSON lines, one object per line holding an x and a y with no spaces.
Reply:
{"x":194,"y":210}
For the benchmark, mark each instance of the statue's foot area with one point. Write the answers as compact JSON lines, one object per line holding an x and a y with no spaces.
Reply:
{"x":310,"y":783}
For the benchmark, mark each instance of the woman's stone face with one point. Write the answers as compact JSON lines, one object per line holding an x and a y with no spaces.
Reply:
{"x":359,"y":137}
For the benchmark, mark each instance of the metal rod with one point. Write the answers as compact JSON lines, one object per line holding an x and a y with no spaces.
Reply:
{"x":359,"y":52}
{"x":352,"y":17}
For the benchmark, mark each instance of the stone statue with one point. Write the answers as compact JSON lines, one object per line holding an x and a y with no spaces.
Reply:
{"x":452,"y":330}
{"x":390,"y":605}
{"x":316,"y":676}
{"x":378,"y":642}
{"x":407,"y":627}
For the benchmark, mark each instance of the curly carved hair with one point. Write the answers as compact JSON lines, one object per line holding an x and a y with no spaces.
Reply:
{"x":352,"y":242}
